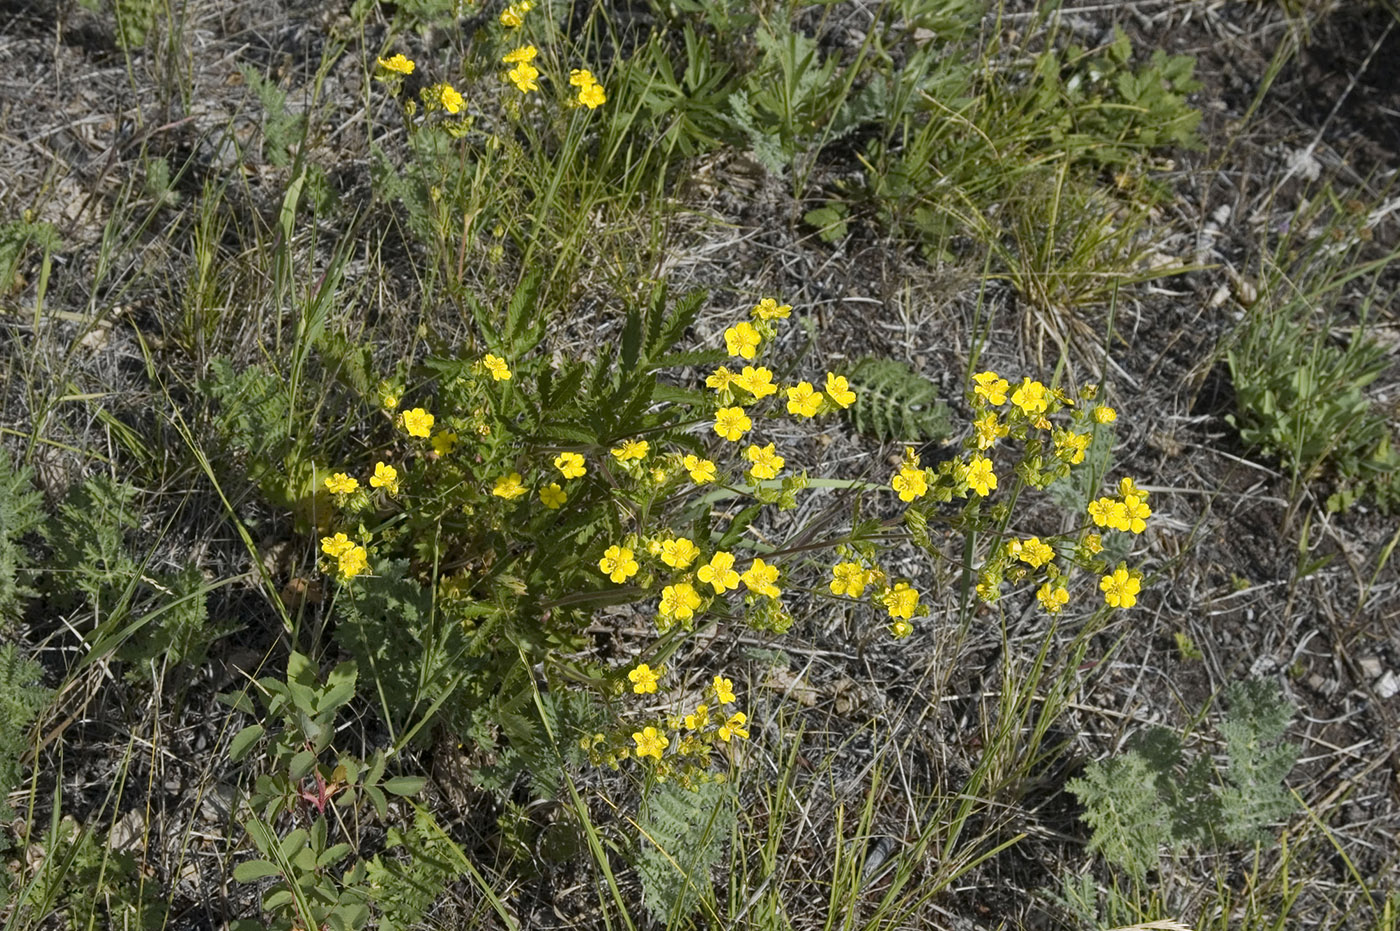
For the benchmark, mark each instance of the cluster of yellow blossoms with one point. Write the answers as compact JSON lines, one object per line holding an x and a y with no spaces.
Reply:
{"x":850,"y":579}
{"x":1032,"y":404}
{"x":690,"y":737}
{"x":351,"y":558}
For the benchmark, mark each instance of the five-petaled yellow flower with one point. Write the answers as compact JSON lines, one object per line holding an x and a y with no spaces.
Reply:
{"x":352,"y":562}
{"x":618,"y":563}
{"x":386,"y":477}
{"x":1031,"y":397}
{"x":631,"y":449}
{"x":989,"y":429}
{"x":444,"y":441}
{"x":650,"y":742}
{"x":723,"y":689}
{"x":570,"y":465}
{"x":849,"y":579}
{"x":804,"y":400}
{"x":756,"y":381}
{"x":679,"y":553}
{"x":418,"y":422}
{"x":335,"y":546}
{"x":766,"y":461}
{"x":524,"y":76}
{"x":991,"y":388}
{"x":509,"y":486}
{"x":497,"y":367}
{"x":720,"y":378}
{"x":901,"y":600}
{"x":702,"y":471}
{"x":839,"y":390}
{"x":734,"y":727}
{"x":1035,"y":553}
{"x":742,"y":340}
{"x":732,"y":423}
{"x":592,"y":96}
{"x":679,"y":601}
{"x":910,"y":482}
{"x":761,"y":579}
{"x":1136,"y":512}
{"x":397,"y":64}
{"x":644,"y":678}
{"x":513,"y":16}
{"x":769,"y":309}
{"x":552,"y":496}
{"x":980,"y":477}
{"x":1120,"y":588}
{"x":1052,"y":597}
{"x":341,"y":484}
{"x":443,"y":96}
{"x":719,"y":572}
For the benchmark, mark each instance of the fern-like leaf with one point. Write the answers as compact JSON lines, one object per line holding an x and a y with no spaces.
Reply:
{"x":893,"y":402}
{"x":684,"y":832}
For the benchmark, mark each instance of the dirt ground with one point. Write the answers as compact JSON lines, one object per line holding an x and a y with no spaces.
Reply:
{"x":1223,"y":554}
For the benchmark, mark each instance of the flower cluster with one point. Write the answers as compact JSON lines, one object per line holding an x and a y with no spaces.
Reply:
{"x":851,"y":576}
{"x":524,"y":74}
{"x":351,"y":559}
{"x":1127,"y":511}
{"x":590,"y":92}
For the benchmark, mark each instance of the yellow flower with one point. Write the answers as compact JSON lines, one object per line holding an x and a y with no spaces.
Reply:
{"x":761,"y":579}
{"x":839,"y":390}
{"x":650,"y":742}
{"x":497,"y":367}
{"x":1052,"y":597}
{"x":679,"y":553}
{"x":901,"y":629}
{"x":386,"y":477}
{"x":756,"y":381}
{"x":991,"y":388}
{"x":700,"y":719}
{"x":1072,"y":445}
{"x":989,"y":430}
{"x":1036,"y":554}
{"x":592,"y":96}
{"x":980,"y":477}
{"x":766,"y":462}
{"x":523,"y":77}
{"x":570,"y":465}
{"x":1093,"y":543}
{"x":509,"y":487}
{"x":804,"y":400}
{"x":1120,"y":588}
{"x":582,"y":77}
{"x":397,"y":64}
{"x":444,"y":441}
{"x":352,"y":562}
{"x":719,"y":572}
{"x":702,"y":471}
{"x":720,"y":378}
{"x":644,"y":678}
{"x":520,"y":56}
{"x":1031,"y":397}
{"x":849,"y":579}
{"x":631,"y":449}
{"x":341,"y":484}
{"x":1105,"y":414}
{"x":734,"y":727}
{"x":911,"y":483}
{"x":1136,"y":512}
{"x":742,"y":339}
{"x":901,"y":600}
{"x":679,"y":601}
{"x":723,"y":689}
{"x":1127,"y":487}
{"x":618,"y":563}
{"x":732,"y":423}
{"x":337,"y":545}
{"x":552,"y":496}
{"x":443,"y":97}
{"x":418,"y":422}
{"x":513,"y":16}
{"x":769,"y":309}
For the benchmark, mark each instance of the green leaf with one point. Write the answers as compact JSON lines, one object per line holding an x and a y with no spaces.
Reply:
{"x":250,"y":871}
{"x":243,"y":741}
{"x":301,"y":764}
{"x":404,"y":785}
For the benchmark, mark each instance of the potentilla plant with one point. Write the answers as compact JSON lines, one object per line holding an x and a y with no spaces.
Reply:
{"x":535,"y":492}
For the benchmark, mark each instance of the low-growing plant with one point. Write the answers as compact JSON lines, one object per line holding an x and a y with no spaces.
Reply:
{"x":1152,"y":797}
